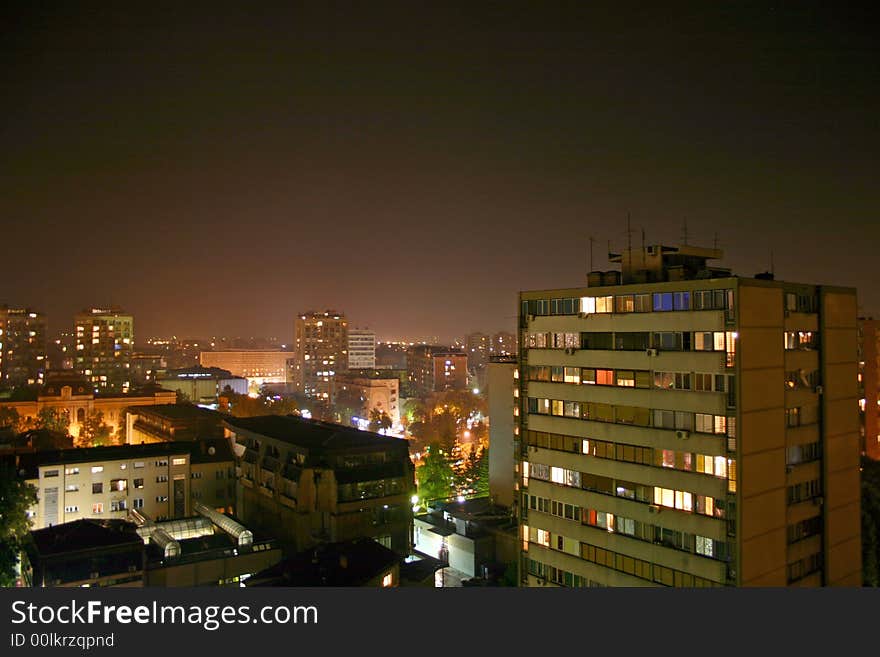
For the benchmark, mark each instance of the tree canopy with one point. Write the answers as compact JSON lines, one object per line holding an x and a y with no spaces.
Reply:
{"x":16,"y":497}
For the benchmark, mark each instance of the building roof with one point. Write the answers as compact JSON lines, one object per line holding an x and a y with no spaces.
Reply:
{"x":179,"y":412}
{"x":352,"y":563}
{"x":313,"y":434}
{"x":109,"y":453}
{"x":85,"y":534}
{"x":210,"y":450}
{"x":198,"y":372}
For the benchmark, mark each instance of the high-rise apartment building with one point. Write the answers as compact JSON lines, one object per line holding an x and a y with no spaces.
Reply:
{"x":361,"y":349}
{"x":503,"y":344}
{"x":104,"y":345}
{"x":22,"y":346}
{"x":869,"y":386}
{"x":320,"y":342}
{"x":433,"y":368}
{"x":680,"y":426}
{"x":477,"y":346}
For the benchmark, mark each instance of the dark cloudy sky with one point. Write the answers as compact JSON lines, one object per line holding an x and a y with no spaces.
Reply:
{"x":215,"y":171}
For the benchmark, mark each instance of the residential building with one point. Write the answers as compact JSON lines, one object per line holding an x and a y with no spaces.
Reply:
{"x":107,"y":482}
{"x":869,"y":386}
{"x":22,"y":347}
{"x":311,"y":482}
{"x":258,"y":366}
{"x":503,"y":344}
{"x":433,"y":368}
{"x":361,"y":394}
{"x":361,"y":349}
{"x":391,"y":355}
{"x":203,"y":385}
{"x":104,"y":345}
{"x":146,"y":368}
{"x":680,"y":426}
{"x":320,"y":345}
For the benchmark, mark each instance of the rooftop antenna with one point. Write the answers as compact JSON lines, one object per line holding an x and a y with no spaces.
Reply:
{"x":643,"y":247}
{"x":628,"y":234}
{"x":684,"y":232}
{"x":715,"y":242}
{"x":771,"y":263}
{"x":591,"y":252}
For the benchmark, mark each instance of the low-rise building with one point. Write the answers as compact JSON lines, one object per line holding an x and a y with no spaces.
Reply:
{"x":363,"y":394}
{"x":202,"y":385}
{"x":107,"y":482}
{"x":312,"y":482}
{"x":169,"y":422}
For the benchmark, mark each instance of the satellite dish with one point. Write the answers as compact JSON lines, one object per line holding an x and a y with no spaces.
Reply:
{"x":211,"y":451}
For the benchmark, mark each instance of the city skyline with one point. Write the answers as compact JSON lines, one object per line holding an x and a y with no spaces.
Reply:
{"x":254,"y":165}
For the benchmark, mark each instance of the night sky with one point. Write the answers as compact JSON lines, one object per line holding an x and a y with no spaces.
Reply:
{"x":416,"y":165}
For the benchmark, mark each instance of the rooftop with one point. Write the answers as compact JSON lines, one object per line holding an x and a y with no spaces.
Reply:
{"x":179,"y":412}
{"x":85,"y":534}
{"x":352,"y":563}
{"x":313,"y":433}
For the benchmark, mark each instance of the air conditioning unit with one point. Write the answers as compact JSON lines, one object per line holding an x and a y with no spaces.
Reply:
{"x":531,"y":318}
{"x":653,"y":508}
{"x":681,"y":434}
{"x":787,"y":312}
{"x":789,"y":469}
{"x":650,"y":352}
{"x":819,"y":390}
{"x":570,"y":350}
{"x":583,"y":315}
{"x":819,"y":501}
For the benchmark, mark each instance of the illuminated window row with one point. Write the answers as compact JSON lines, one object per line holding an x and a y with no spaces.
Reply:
{"x":639,"y":492}
{"x":636,"y":415}
{"x":696,"y":381}
{"x":557,"y":575}
{"x":632,"y":303}
{"x":634,"y":341}
{"x":649,"y":533}
{"x":641,"y":568}
{"x":666,"y":458}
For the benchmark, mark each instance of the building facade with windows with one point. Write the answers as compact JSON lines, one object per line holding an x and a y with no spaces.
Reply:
{"x":869,"y":386}
{"x":104,"y":345}
{"x":320,"y":341}
{"x":22,"y":347}
{"x":106,"y":482}
{"x":686,"y":427}
{"x":361,"y":349}
{"x":308,"y":482}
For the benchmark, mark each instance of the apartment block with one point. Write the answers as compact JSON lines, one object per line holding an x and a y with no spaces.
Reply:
{"x":309,"y":482}
{"x":681,"y":426}
{"x":107,"y":482}
{"x":22,"y":346}
{"x":320,"y":341}
{"x":104,"y":345}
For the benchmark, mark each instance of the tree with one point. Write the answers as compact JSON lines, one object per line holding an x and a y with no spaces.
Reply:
{"x":870,"y":522}
{"x":16,"y":497}
{"x":247,"y":406}
{"x":435,"y":476}
{"x":93,"y":432}
{"x":473,"y":476}
{"x":379,"y":420}
{"x":9,"y":418}
{"x":53,"y":419}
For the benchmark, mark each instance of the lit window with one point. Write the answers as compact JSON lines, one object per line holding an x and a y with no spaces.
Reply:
{"x":387,"y":580}
{"x":97,"y":468}
{"x":178,"y":461}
